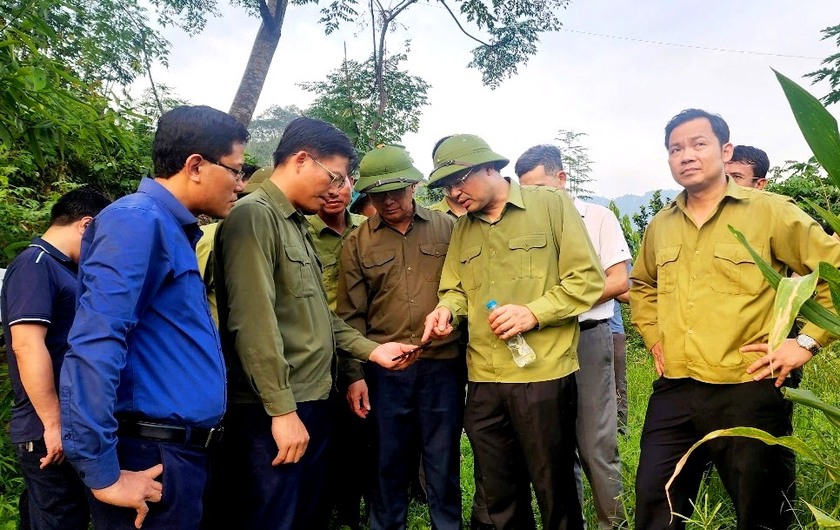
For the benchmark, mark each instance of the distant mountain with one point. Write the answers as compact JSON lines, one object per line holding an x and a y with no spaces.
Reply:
{"x":630,"y":204}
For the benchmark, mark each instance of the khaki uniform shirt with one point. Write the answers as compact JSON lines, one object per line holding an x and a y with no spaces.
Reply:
{"x":204,"y":254}
{"x":699,"y":292}
{"x":389,"y":281}
{"x":278,"y":334}
{"x":536,"y":254}
{"x":328,"y":246}
{"x":443,"y":207}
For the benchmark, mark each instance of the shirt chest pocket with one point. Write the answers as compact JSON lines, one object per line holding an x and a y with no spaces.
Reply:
{"x":470,"y":273}
{"x":528,"y":256}
{"x":379,"y":269}
{"x":735,"y":271}
{"x":666,"y":269}
{"x":432,"y":256}
{"x":298,"y":277}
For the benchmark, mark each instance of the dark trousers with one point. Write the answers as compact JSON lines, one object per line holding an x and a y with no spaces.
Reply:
{"x":760,"y":478}
{"x":352,"y":466}
{"x":184,"y":479}
{"x":283,"y":497}
{"x":523,"y":434}
{"x":54,"y":497}
{"x":417,"y":411}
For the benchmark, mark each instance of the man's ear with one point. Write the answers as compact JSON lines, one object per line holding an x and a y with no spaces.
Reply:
{"x":83,"y":223}
{"x":727,"y":151}
{"x":562,"y":178}
{"x":192,"y":166}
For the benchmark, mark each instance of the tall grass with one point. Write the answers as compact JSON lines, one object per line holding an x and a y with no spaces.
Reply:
{"x":713,"y":510}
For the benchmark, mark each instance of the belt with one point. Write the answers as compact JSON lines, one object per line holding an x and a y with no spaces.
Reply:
{"x":589,"y":324}
{"x":160,"y":432}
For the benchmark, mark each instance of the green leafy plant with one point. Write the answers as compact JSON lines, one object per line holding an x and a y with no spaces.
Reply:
{"x":793,"y":295}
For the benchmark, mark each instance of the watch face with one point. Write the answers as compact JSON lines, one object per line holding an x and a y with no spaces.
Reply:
{"x":807,"y":342}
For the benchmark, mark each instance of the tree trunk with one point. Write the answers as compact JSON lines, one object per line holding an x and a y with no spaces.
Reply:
{"x":262,"y":52}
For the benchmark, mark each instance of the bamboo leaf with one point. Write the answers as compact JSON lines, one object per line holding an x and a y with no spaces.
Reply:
{"x":818,"y":126}
{"x":811,"y":311}
{"x":809,"y":399}
{"x":823,"y":519}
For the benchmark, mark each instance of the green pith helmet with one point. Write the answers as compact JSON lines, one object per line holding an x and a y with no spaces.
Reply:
{"x":459,"y":152}
{"x":386,"y":168}
{"x":256,"y":179}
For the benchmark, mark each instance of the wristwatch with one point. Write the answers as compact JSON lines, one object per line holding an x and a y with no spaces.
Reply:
{"x":804,"y":341}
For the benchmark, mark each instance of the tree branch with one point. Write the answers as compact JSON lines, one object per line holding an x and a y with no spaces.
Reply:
{"x":458,"y":22}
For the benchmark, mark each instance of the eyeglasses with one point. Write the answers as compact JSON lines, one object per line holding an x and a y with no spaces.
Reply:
{"x":457,"y":183}
{"x":335,"y":180}
{"x":239,"y":174}
{"x":385,"y":195}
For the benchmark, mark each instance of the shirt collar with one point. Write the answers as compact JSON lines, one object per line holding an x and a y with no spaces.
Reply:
{"x":319,"y":225}
{"x":514,"y":198}
{"x":155,"y":190}
{"x":421,"y":213}
{"x":52,"y":251}
{"x":283,"y":203}
{"x":733,"y":191}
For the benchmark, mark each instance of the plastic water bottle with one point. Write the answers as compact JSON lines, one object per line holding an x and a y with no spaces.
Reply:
{"x":523,"y":354}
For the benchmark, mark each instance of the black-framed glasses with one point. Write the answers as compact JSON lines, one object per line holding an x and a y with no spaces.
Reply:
{"x":457,"y":183}
{"x":239,"y":174}
{"x":335,"y":180}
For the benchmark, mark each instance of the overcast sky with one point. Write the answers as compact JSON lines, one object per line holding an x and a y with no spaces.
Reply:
{"x":620,"y":92}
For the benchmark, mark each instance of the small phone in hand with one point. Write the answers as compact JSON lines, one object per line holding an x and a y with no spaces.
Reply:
{"x":418,"y":349}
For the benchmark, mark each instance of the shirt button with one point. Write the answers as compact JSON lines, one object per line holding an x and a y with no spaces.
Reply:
{"x":696,"y":252}
{"x":693,"y":277}
{"x":492,"y":283}
{"x":413,"y":335}
{"x":690,"y":331}
{"x":411,"y":301}
{"x":409,"y":268}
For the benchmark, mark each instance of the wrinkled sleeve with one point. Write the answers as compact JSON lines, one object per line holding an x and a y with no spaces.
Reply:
{"x":643,"y":290}
{"x":246,"y":249}
{"x":124,"y":263}
{"x":580,"y":279}
{"x":451,"y":294}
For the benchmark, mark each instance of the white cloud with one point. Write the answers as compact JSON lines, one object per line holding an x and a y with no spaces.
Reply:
{"x":620,"y":92}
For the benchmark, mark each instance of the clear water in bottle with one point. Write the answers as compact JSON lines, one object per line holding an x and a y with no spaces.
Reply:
{"x":523,"y":354}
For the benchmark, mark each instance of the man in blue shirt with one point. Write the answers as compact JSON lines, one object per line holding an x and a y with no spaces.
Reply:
{"x":39,"y":300}
{"x":143,"y":385}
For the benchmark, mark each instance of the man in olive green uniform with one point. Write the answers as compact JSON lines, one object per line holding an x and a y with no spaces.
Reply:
{"x":704,"y":309}
{"x":390,"y":269}
{"x":329,"y":228}
{"x":348,"y":472}
{"x":527,"y":248}
{"x":279,"y":335}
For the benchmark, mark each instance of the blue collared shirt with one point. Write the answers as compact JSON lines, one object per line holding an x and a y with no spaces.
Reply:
{"x":143,"y":343}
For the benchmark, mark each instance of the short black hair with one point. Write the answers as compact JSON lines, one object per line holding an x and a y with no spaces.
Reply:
{"x":76,"y":204}
{"x":318,"y":138}
{"x":719,"y":126}
{"x":548,"y":156}
{"x":190,"y":130}
{"x":747,"y":154}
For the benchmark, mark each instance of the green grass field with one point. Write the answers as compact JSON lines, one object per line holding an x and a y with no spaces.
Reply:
{"x":713,"y":508}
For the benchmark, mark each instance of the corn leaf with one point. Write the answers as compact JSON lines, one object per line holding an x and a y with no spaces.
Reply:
{"x":818,"y":126}
{"x":790,"y":295}
{"x":832,"y":220}
{"x":811,"y":311}
{"x":823,"y":519}
{"x":794,"y":444}
{"x":809,"y":399}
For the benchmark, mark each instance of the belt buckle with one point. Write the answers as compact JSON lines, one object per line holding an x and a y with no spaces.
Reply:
{"x":212,"y":434}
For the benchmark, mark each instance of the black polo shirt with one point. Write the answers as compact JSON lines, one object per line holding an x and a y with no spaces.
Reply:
{"x":39,"y":288}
